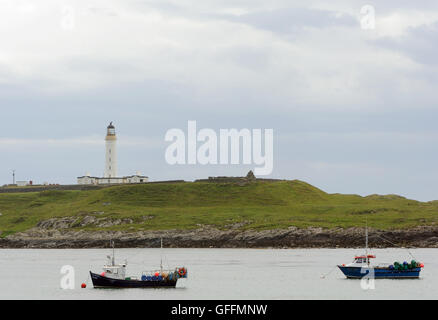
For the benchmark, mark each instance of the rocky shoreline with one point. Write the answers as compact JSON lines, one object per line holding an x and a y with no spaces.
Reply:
{"x":209,"y":237}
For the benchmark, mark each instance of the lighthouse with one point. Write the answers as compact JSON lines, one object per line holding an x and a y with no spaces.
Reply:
{"x":110,"y":174}
{"x":111,"y":152}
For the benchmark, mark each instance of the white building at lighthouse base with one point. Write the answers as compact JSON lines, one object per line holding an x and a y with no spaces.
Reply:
{"x":84,"y":180}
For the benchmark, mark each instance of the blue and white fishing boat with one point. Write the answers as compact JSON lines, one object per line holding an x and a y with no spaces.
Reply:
{"x":361,"y":267}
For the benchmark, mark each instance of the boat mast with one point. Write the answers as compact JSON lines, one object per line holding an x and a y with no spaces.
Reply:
{"x":366,"y":242}
{"x":113,"y":259}
{"x":161,"y":256}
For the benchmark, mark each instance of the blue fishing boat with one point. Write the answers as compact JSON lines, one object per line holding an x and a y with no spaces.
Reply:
{"x":362,"y":267}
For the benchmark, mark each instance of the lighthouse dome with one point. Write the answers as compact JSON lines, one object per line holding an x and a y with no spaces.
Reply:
{"x":111,"y":130}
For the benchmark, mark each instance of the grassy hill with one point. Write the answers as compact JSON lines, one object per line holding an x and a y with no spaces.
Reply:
{"x":256,"y":205}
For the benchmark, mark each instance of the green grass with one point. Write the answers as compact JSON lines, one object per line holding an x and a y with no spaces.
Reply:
{"x":261,"y":205}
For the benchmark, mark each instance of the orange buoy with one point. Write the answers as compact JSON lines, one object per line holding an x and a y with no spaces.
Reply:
{"x":157,"y":274}
{"x":421,"y":265}
{"x":83,"y":286}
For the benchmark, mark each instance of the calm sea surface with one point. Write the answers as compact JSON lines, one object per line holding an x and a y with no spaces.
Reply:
{"x":214,"y":274}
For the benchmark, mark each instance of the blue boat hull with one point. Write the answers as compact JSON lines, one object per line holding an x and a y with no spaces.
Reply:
{"x":380,"y":273}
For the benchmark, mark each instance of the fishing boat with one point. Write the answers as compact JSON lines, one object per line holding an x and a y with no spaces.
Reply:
{"x":114,"y":276}
{"x":362,"y":267}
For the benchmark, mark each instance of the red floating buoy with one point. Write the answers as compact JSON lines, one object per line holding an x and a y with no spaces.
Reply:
{"x":157,"y":274}
{"x":83,"y":286}
{"x":421,"y":265}
{"x":103,"y":274}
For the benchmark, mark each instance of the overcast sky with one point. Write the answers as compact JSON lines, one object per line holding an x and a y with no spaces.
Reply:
{"x":353,"y":110}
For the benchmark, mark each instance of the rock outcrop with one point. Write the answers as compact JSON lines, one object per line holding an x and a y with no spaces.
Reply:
{"x":58,"y":235}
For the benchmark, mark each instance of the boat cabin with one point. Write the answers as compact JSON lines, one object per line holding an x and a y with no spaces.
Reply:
{"x":117,"y":271}
{"x":113,"y":270}
{"x":365,"y":259}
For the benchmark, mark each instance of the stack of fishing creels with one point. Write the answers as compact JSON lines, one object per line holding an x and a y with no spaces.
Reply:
{"x":405,"y":265}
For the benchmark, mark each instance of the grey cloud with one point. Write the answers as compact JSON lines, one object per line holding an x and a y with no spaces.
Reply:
{"x":290,"y":20}
{"x":282,"y":19}
{"x":102,"y":11}
{"x":420,"y":44}
{"x":389,"y":6}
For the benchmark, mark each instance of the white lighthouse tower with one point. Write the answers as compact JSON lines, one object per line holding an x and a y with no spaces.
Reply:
{"x":110,"y":173}
{"x":111,"y":152}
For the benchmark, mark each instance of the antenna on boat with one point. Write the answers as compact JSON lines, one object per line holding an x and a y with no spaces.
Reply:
{"x":366,"y":241}
{"x":366,"y":237}
{"x":161,"y":256}
{"x":113,"y":258}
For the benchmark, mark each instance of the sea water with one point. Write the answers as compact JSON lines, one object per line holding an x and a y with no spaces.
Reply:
{"x":214,"y":274}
